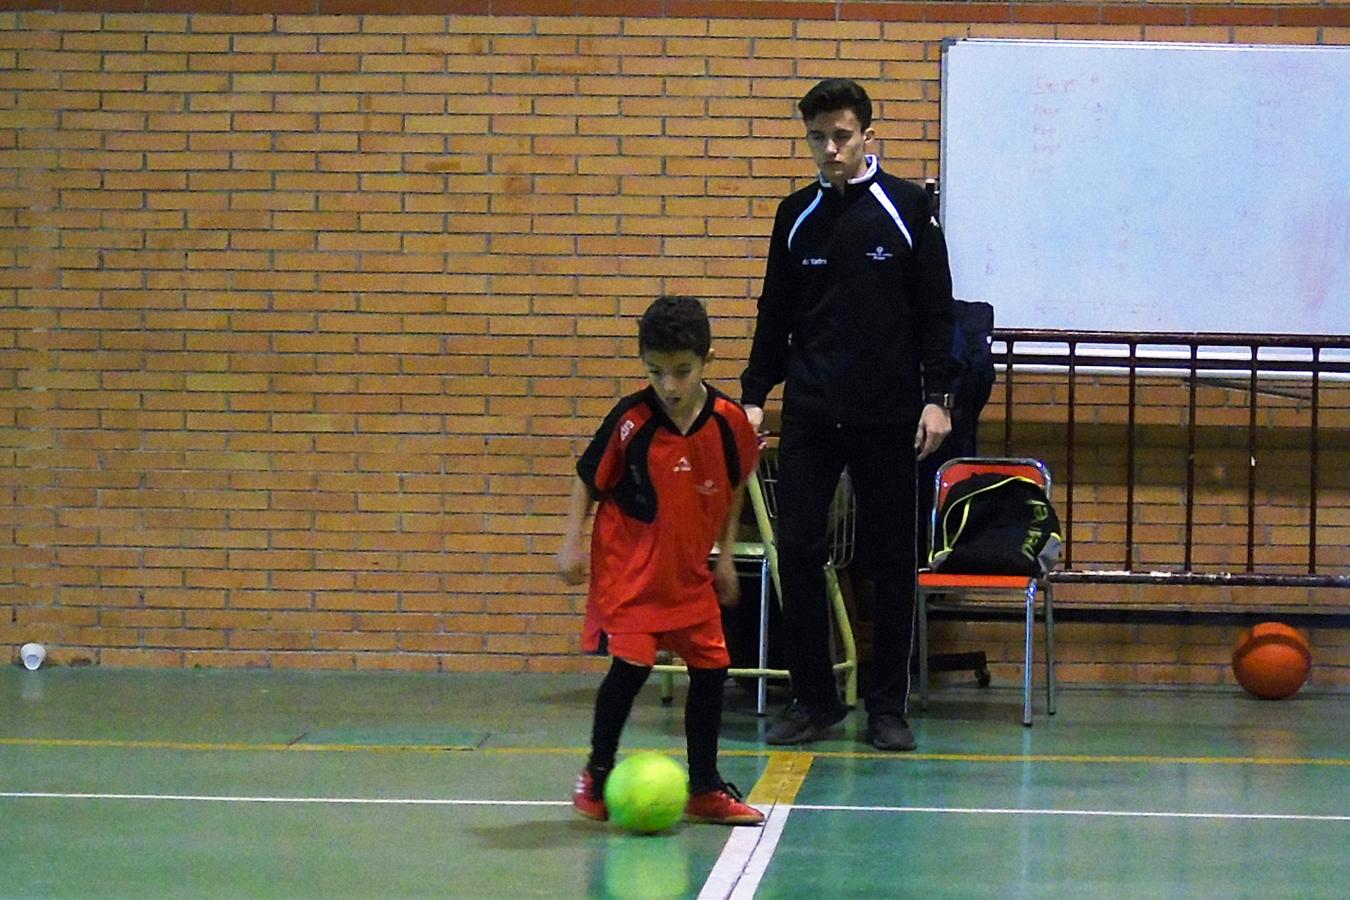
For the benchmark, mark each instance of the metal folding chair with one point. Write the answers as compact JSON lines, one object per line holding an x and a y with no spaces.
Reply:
{"x":763,"y":553}
{"x":951,"y":585}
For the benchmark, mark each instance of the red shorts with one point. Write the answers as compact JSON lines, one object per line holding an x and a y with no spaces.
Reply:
{"x":701,"y":646}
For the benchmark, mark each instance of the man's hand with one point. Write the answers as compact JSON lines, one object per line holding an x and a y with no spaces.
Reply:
{"x":726,"y":581}
{"x":756,"y":416}
{"x":935,"y":423}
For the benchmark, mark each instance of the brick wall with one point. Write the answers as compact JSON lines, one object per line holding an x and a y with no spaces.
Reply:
{"x":307,"y":307}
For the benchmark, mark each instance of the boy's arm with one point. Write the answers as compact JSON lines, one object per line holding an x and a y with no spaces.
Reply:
{"x":725,"y":578}
{"x":571,"y":559}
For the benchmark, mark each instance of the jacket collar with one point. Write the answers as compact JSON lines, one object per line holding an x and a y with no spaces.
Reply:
{"x":862,"y":182}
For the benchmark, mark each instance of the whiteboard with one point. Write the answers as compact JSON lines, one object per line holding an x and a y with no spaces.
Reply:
{"x":1126,"y":186}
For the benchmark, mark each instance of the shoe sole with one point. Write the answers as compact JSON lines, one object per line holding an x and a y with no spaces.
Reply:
{"x":811,"y":733}
{"x":897,"y":748}
{"x":733,"y":820}
{"x":804,"y":737}
{"x":585,"y":815}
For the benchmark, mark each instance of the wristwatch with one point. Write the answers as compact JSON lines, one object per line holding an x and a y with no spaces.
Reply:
{"x":942,"y":400}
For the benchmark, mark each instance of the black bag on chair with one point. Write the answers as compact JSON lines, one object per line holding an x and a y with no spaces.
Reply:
{"x":995,"y":524}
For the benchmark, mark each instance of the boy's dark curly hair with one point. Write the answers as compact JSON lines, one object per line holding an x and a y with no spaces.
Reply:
{"x":837,"y":93}
{"x":673,"y":323}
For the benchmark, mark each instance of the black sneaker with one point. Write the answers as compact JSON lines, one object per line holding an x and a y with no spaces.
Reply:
{"x":800,"y":725}
{"x":887,"y":731}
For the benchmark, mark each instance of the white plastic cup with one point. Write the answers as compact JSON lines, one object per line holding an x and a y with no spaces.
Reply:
{"x":33,"y":655}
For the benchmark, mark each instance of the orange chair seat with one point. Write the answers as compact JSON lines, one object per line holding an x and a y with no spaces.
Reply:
{"x":940,"y":580}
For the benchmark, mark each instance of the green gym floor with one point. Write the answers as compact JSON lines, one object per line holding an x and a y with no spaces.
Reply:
{"x":118,"y":783}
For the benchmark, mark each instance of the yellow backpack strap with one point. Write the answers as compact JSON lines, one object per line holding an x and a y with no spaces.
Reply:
{"x":949,"y":537}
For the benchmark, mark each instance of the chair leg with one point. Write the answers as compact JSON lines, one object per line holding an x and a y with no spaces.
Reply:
{"x":761,"y":687}
{"x":1049,"y":593}
{"x":1026,"y":669}
{"x":841,"y":627}
{"x":921,"y":605}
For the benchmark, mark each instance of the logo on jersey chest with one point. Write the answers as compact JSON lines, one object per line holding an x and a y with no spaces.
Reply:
{"x":708,"y":487}
{"x":880,"y":254}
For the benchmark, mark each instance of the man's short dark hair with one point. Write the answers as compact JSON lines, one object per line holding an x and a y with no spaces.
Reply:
{"x":835,"y":94}
{"x":673,"y":323}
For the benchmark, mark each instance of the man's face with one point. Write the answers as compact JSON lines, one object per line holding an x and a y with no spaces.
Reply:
{"x":838,"y":144}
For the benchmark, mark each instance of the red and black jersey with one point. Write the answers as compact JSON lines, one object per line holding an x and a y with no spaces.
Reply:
{"x":664,"y":498}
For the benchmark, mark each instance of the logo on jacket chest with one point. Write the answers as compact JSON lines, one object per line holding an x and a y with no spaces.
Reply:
{"x":877,"y":254}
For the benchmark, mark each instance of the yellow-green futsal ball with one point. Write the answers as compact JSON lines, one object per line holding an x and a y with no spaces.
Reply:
{"x":646,"y":793}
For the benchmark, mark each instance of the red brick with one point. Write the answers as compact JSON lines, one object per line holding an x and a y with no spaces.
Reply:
{"x":749,"y":9}
{"x":969,"y":12}
{"x":1057,"y":13}
{"x":1328,"y":16}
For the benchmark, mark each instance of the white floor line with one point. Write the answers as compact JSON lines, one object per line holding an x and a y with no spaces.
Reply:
{"x":1108,"y":813}
{"x":747,"y":850}
{"x":746,"y":855}
{"x":744,"y":858}
{"x":215,"y":798}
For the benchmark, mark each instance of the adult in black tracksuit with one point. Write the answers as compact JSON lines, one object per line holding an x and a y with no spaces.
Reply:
{"x":856,"y":318}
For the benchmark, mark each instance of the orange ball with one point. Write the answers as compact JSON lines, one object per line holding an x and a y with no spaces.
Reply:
{"x":1271,"y":660}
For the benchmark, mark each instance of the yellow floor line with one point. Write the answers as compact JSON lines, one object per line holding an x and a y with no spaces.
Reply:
{"x":99,"y":743}
{"x":782,"y":779}
{"x":1116,"y":759}
{"x":1146,"y":759}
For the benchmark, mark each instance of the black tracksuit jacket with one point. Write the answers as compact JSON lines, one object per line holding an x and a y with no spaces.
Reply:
{"x":856,"y":315}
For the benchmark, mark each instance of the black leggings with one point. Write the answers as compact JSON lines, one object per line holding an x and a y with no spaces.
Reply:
{"x":702,"y":719}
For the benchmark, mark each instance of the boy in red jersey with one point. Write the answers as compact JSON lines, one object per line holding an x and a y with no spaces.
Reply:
{"x":668,"y":468}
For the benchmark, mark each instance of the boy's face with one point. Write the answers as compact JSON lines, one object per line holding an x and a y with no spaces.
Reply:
{"x":678,"y":379}
{"x":838,"y":144}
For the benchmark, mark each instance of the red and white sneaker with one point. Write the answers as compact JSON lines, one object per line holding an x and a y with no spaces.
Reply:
{"x":721,"y":806}
{"x":588,"y":798}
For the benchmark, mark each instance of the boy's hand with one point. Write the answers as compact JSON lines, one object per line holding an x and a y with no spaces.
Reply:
{"x":726,"y":581}
{"x":571,"y":562}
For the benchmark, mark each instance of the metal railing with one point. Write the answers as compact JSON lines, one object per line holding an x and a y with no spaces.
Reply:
{"x":1228,"y":360}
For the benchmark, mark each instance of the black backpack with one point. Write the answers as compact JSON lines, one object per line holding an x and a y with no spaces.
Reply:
{"x":996,"y":524}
